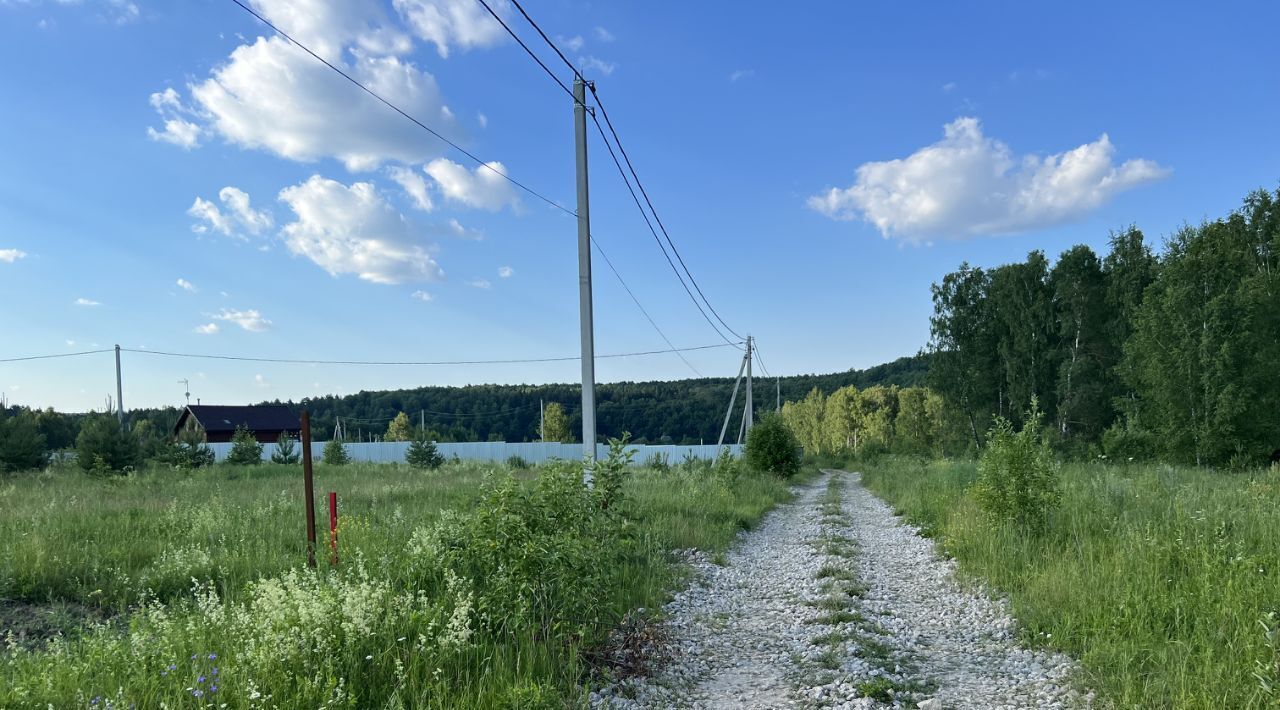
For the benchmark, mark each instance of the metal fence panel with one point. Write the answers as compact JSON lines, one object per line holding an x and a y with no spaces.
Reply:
{"x":532,"y":452}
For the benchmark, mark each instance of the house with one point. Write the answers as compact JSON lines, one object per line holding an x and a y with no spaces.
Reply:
{"x":218,"y":423}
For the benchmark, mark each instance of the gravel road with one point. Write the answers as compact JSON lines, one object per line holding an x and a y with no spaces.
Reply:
{"x":832,"y":602}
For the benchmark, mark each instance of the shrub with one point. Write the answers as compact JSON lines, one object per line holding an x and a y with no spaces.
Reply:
{"x":103,"y":447}
{"x":423,"y":453}
{"x":1125,"y":441}
{"x":771,"y":447}
{"x":517,"y":462}
{"x":335,"y":453}
{"x":284,"y":453}
{"x":187,"y":451}
{"x":1017,"y":476}
{"x":22,"y":446}
{"x":726,"y":468}
{"x":246,"y":450}
{"x":608,"y":475}
{"x":660,"y":462}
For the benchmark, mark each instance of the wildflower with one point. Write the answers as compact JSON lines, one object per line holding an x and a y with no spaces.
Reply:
{"x":368,"y":658}
{"x":197,"y":693}
{"x":213,"y":656}
{"x":215,"y":671}
{"x":200,"y":679}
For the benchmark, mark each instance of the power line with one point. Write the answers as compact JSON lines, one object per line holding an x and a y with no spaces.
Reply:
{"x":401,"y":111}
{"x":636,"y":301}
{"x":755,"y":347}
{"x":292,"y":361}
{"x":649,"y":202}
{"x":528,"y":51}
{"x":653,"y":231}
{"x":83,"y":352}
{"x":545,"y":38}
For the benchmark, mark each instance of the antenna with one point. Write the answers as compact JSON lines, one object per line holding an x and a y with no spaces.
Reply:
{"x":187,"y":385}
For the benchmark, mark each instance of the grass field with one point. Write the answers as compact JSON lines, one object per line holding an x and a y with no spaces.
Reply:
{"x":471,"y":586}
{"x":1163,"y":581}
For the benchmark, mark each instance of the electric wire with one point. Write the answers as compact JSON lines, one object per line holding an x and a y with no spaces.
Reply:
{"x":649,"y":202}
{"x":529,"y":51}
{"x":546,"y":39}
{"x":402,"y":112}
{"x":50,"y":357}
{"x":755,"y":348}
{"x":514,"y":361}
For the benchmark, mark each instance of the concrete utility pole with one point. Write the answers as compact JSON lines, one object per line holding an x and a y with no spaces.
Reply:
{"x":749,"y":416}
{"x":584,"y":278}
{"x":734,"y":398}
{"x":778,"y":382}
{"x":542,"y":422}
{"x":119,"y":391}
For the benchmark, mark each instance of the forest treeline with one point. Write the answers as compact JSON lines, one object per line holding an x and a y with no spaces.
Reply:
{"x":682,"y":411}
{"x":1131,"y":355}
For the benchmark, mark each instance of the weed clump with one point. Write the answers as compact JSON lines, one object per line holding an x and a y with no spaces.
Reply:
{"x":1017,"y":476}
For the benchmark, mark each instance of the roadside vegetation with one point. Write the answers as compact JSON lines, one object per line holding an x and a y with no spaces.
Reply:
{"x":458,"y":585}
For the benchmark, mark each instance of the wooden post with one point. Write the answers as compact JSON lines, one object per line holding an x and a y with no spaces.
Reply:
{"x":310,"y":502}
{"x":333,"y":527}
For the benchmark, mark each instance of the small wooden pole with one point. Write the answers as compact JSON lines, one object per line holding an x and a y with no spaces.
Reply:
{"x":310,"y":489}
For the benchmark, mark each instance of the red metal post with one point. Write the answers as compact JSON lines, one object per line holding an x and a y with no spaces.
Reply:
{"x":333,"y":526}
{"x":310,"y":501}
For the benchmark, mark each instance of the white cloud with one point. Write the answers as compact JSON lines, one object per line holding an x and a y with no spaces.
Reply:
{"x":505,"y":272}
{"x":414,"y":185}
{"x":272,"y":96}
{"x":186,"y":285}
{"x":483,"y":120}
{"x":178,"y":128}
{"x":479,"y":283}
{"x":421,"y":296}
{"x":86,"y":302}
{"x":239,"y":214}
{"x":968,"y":184}
{"x":453,"y":23}
{"x":261,"y":381}
{"x":600,"y":65}
{"x":354,"y":230}
{"x":327,"y":27}
{"x":71,"y":343}
{"x":207,"y":329}
{"x":602,"y":34}
{"x":251,"y":320}
{"x":484,"y":188}
{"x":949,"y":87}
{"x":11,"y":255}
{"x":573,"y":44}
{"x":454,"y":228}
{"x":739,"y":74}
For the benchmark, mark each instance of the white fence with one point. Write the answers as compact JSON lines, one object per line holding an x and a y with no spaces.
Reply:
{"x":533,"y":452}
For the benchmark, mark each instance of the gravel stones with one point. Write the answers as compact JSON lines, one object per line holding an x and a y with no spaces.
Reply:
{"x":850,"y":610}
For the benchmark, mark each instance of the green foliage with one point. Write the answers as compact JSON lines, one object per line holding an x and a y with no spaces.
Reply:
{"x":187,"y":451}
{"x":660,"y":462}
{"x":285,"y":452}
{"x":422,"y":453}
{"x":400,"y":429}
{"x":246,"y":450}
{"x":1125,"y":442}
{"x":517,"y":462}
{"x":1017,"y":477}
{"x":772,"y":448}
{"x":335,"y":453}
{"x":103,"y":447}
{"x":555,"y":426}
{"x":1154,"y":577}
{"x":22,"y":445}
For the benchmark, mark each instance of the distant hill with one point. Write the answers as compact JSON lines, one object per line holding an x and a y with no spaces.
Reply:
{"x":680,"y":411}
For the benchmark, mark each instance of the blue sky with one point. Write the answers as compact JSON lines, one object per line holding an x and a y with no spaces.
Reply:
{"x":818,"y":164}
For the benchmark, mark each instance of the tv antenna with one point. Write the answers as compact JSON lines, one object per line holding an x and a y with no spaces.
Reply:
{"x":186,"y":384}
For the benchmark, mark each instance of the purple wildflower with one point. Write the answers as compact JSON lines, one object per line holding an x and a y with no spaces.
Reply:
{"x":213,"y":656}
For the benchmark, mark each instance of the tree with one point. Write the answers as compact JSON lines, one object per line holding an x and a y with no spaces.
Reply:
{"x":187,"y":451}
{"x":335,"y":453}
{"x":1129,"y":268}
{"x":1017,"y":477}
{"x":400,"y":428}
{"x":1021,"y":302}
{"x":1084,"y":408}
{"x":772,"y":448}
{"x":555,"y":424}
{"x":285,"y":452}
{"x":918,"y":424}
{"x":104,"y":447}
{"x":423,"y":453}
{"x":840,"y":423}
{"x":22,"y":445}
{"x":245,"y":448}
{"x":964,"y":368}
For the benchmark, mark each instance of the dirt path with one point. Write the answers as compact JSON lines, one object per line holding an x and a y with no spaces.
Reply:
{"x":833,"y":602}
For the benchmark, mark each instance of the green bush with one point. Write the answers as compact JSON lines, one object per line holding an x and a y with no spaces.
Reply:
{"x":187,"y":451}
{"x":772,"y":448}
{"x":335,"y":453}
{"x":285,"y":452}
{"x":1017,"y":476}
{"x":1125,"y":441}
{"x":246,"y":450}
{"x":517,"y":462}
{"x":423,"y":453}
{"x":103,"y":447}
{"x":22,"y":446}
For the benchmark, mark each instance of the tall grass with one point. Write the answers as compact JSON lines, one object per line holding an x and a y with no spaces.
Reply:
{"x":1159,"y":579}
{"x":197,"y":571}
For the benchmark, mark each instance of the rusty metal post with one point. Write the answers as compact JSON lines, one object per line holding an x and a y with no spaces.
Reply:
{"x":333,"y":527}
{"x":310,"y":502}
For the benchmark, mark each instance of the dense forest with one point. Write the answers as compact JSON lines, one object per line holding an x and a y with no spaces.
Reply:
{"x":1131,"y":355}
{"x":683,"y":411}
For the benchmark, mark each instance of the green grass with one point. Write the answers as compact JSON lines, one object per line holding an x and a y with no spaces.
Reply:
{"x":110,"y":563}
{"x":1158,"y":579}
